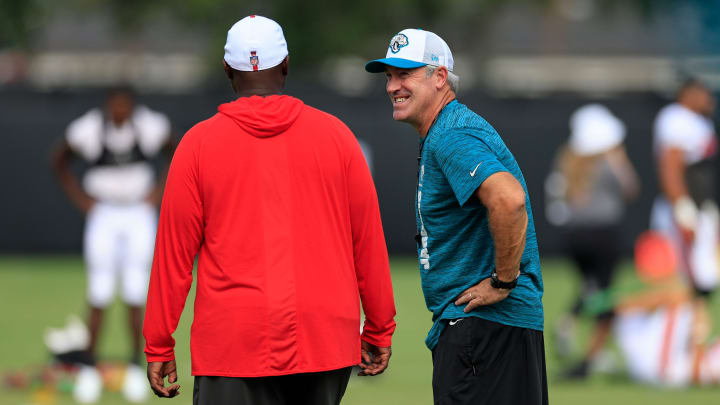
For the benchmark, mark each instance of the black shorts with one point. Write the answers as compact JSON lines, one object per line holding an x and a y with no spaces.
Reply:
{"x":482,"y":362}
{"x":596,"y":252}
{"x":323,"y":388}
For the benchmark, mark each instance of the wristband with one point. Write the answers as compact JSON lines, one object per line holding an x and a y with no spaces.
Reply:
{"x":505,"y":285}
{"x":685,"y":212}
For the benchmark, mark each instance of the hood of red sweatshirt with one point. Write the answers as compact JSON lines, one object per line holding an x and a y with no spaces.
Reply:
{"x":263,"y":117}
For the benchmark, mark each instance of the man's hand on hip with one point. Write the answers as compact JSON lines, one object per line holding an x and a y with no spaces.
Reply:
{"x":156,"y":373}
{"x":481,"y":294}
{"x":374,"y":359}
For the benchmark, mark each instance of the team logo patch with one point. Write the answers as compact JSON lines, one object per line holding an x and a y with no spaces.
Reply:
{"x":397,"y":42}
{"x":254,"y":60}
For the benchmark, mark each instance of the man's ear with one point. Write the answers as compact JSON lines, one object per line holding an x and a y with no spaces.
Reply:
{"x":228,"y":70}
{"x":442,"y":77}
{"x":285,"y":65}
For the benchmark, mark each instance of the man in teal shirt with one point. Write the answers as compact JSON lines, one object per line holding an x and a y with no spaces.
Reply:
{"x":477,"y":249}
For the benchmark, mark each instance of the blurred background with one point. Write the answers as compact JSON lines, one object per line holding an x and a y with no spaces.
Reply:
{"x":524,"y":65}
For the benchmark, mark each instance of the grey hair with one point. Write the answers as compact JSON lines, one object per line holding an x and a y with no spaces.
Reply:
{"x":453,"y":80}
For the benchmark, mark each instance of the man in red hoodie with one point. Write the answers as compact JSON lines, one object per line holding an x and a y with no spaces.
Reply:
{"x":278,"y":203}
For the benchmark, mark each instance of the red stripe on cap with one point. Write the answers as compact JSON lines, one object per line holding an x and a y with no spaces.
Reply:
{"x":252,"y":15}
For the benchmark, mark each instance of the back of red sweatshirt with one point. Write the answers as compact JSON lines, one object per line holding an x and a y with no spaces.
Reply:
{"x":277,"y":201}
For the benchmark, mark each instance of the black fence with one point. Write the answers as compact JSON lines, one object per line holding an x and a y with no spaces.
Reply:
{"x":35,"y":216}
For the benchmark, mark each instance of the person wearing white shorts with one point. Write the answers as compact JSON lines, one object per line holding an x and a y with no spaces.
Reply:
{"x":663,"y":337}
{"x":685,"y":148}
{"x":655,"y":344}
{"x":118,"y":244}
{"x":118,"y":192}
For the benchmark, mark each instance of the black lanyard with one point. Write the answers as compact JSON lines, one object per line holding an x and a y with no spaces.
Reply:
{"x":418,"y":237}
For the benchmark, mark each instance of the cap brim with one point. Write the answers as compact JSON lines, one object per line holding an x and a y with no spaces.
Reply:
{"x":378,"y":65}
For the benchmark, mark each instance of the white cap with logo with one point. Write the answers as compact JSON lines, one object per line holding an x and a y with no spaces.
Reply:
{"x":255,"y":43}
{"x":413,"y":48}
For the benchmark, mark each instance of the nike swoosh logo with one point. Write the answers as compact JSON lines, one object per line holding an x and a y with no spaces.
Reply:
{"x":472,"y":173}
{"x":454,"y":321}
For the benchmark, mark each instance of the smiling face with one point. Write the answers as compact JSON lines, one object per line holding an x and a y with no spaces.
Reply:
{"x":411,"y":93}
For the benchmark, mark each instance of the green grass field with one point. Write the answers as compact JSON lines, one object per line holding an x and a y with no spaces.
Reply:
{"x":41,"y":291}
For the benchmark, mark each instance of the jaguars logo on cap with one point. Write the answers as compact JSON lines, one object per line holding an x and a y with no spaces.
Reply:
{"x":397,"y":42}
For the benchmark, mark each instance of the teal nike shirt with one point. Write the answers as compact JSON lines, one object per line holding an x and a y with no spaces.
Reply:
{"x":455,"y":248}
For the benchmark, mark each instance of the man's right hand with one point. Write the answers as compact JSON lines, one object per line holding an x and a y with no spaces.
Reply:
{"x":156,"y":373}
{"x":685,"y":212}
{"x":374,"y":359}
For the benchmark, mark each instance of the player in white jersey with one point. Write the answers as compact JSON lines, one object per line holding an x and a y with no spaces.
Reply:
{"x":118,"y":192}
{"x":685,"y":148}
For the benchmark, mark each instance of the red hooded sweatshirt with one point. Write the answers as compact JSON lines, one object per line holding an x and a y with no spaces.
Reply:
{"x":277,"y":201}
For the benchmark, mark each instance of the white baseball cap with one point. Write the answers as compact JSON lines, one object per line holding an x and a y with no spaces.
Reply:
{"x":594,"y":129}
{"x":255,"y":43}
{"x":413,"y":48}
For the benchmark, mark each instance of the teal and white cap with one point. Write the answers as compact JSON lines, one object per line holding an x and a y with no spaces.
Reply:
{"x":413,"y":48}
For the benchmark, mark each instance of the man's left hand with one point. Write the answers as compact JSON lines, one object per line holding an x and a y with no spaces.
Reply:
{"x":156,"y":373}
{"x":375,"y":359}
{"x":481,"y":294}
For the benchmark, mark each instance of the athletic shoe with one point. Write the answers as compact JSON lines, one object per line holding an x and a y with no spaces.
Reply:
{"x":88,"y":385}
{"x":579,"y":371}
{"x":135,"y":386}
{"x":73,"y":337}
